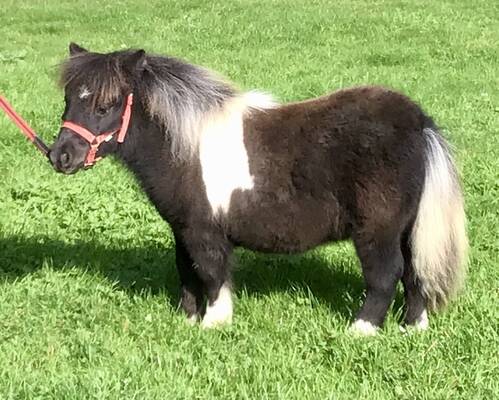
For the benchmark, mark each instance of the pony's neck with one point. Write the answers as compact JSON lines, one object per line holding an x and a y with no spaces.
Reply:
{"x":146,"y":151}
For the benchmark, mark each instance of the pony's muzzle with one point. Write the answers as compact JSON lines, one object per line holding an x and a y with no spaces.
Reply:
{"x":68,"y":153}
{"x":63,"y":161}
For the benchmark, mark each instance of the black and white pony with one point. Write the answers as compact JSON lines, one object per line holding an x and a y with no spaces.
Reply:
{"x":226,"y":168}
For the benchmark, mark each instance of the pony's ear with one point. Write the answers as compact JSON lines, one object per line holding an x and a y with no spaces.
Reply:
{"x":136,"y":62}
{"x":75,"y":49}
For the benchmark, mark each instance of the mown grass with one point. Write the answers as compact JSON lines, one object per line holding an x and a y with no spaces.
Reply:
{"x":88,"y":288}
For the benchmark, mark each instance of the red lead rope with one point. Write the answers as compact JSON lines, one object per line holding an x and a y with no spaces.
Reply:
{"x":23,"y":125}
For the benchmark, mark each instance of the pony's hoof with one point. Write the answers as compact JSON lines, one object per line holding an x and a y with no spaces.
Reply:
{"x":209,"y":323}
{"x":421,"y":324}
{"x":220,"y":312}
{"x":192,"y":320}
{"x":363,"y":328}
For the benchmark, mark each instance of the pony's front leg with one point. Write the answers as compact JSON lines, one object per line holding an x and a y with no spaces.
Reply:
{"x":210,"y":252}
{"x":191,"y":296}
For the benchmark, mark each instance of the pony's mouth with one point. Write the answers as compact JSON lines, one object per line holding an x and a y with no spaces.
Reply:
{"x":70,"y":170}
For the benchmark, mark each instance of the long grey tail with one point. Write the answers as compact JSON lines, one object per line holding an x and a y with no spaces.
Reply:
{"x":438,"y":239}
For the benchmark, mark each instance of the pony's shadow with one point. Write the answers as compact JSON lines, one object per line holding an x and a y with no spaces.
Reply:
{"x":151,"y":269}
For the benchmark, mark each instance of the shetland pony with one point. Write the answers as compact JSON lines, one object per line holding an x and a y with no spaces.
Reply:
{"x":226,"y":168}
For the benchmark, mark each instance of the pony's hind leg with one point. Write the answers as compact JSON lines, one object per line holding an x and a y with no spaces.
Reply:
{"x":415,"y":303}
{"x":382,"y":266}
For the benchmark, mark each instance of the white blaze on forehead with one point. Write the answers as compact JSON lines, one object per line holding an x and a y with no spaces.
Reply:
{"x":223,"y":156}
{"x":84,"y":92}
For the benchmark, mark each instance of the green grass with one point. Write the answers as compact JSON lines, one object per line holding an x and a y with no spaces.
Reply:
{"x":88,"y":288}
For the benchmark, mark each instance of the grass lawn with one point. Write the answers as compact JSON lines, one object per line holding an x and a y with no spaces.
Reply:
{"x":88,"y":287}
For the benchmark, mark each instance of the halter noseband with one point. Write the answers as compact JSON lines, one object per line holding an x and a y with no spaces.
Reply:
{"x":96,"y":140}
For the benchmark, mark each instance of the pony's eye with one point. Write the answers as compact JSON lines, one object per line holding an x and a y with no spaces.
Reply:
{"x":101,"y":111}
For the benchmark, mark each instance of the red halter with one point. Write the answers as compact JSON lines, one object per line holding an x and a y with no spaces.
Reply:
{"x":96,"y":140}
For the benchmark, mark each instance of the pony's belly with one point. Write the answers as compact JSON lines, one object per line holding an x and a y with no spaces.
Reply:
{"x":283,"y":227}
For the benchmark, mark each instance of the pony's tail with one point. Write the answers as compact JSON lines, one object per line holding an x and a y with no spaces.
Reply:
{"x":438,"y":239}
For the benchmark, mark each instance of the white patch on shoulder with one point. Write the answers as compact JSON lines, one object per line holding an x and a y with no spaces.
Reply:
{"x":220,"y":312}
{"x":223,"y":156}
{"x":364,"y":328}
{"x":84,"y":92}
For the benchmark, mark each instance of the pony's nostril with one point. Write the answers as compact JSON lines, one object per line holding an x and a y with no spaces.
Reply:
{"x":65,"y":160}
{"x":53,"y":157}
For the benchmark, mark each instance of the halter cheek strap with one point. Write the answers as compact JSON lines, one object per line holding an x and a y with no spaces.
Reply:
{"x":96,"y":140}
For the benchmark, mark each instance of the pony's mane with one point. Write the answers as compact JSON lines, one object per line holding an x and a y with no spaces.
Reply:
{"x":178,"y":95}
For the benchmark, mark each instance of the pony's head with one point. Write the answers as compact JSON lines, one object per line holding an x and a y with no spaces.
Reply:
{"x":98,"y":94}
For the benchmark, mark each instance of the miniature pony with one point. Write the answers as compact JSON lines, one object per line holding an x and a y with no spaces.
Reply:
{"x":226,"y":168}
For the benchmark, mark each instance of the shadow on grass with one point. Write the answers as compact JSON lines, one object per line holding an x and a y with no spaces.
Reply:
{"x":152,"y":269}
